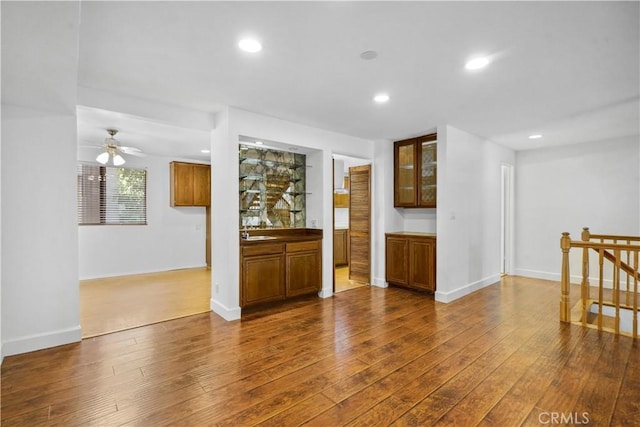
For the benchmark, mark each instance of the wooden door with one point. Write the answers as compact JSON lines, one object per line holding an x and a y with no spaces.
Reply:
{"x":201,"y":185}
{"x":304,"y":268}
{"x":262,"y":279}
{"x":422,"y":268}
{"x":181,"y":184}
{"x":340,"y":247}
{"x":404,"y":173}
{"x":397,"y":260}
{"x":360,"y":223}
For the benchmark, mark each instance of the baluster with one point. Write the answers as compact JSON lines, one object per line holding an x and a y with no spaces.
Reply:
{"x":628,"y":293}
{"x":585,"y":293}
{"x":635,"y":294}
{"x":616,"y":288}
{"x":565,"y":245}
{"x":600,"y":286}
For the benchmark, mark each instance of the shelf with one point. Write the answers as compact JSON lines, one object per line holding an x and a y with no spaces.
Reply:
{"x":257,"y":191}
{"x":270,"y":163}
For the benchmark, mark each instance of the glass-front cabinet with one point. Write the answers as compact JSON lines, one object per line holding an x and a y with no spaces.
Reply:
{"x":272,"y":188}
{"x":415,"y":172}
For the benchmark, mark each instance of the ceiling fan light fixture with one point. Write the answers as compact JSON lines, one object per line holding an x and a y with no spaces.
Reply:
{"x":118,"y":160}
{"x":103,"y":158}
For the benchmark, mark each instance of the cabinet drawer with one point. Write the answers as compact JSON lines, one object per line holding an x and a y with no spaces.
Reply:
{"x":303,"y":246}
{"x":263,"y":249}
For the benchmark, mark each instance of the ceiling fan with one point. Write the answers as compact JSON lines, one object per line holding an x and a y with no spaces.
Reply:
{"x":113,"y":149}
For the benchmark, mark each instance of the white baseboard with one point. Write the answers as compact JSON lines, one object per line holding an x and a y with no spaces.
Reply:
{"x":41,"y":341}
{"x":325,"y":293}
{"x":453,"y":295}
{"x":535,"y":274}
{"x":223,"y":311}
{"x":555,"y":277}
{"x":379,"y":283}
{"x":133,"y":273}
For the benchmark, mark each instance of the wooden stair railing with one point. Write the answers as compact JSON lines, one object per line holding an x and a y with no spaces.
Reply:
{"x":622,"y":253}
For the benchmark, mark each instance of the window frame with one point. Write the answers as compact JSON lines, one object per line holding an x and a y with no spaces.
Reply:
{"x":104,"y":206}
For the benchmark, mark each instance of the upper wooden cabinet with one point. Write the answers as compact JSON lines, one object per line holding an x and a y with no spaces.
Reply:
{"x":190,"y":184}
{"x":415,"y":172}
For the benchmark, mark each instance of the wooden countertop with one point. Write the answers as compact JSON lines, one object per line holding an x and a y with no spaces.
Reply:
{"x":281,"y":235}
{"x":410,"y":233}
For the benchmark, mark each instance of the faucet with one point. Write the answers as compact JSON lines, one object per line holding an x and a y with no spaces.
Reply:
{"x":245,"y":233}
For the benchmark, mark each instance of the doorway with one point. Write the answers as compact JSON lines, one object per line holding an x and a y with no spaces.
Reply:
{"x":506,"y":219}
{"x":352,"y":224}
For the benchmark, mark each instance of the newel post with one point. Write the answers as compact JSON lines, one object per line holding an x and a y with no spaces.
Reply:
{"x":565,"y":245}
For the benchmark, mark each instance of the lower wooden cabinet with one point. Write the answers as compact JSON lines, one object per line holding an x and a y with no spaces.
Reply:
{"x":411,"y":260}
{"x":304,"y":268}
{"x":263,"y":270}
{"x":340,"y":247}
{"x":276,"y":271}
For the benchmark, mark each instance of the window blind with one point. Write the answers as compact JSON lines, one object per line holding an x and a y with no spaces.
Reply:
{"x":111,"y":195}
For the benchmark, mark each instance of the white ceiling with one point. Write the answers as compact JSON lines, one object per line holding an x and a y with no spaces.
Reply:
{"x":567,"y":70}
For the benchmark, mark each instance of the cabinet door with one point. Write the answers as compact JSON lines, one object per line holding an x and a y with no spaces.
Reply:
{"x":340,"y":247}
{"x":404,"y":173}
{"x":427,"y":172}
{"x":304,"y":268}
{"x":422,"y":264}
{"x":397,"y":260}
{"x":201,"y":185}
{"x":181,"y":184}
{"x":262,"y":279}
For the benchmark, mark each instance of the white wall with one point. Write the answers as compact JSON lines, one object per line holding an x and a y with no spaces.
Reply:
{"x":566,"y":188}
{"x":173,"y":238}
{"x":230,"y":125}
{"x":468,"y":227}
{"x":40,"y":294}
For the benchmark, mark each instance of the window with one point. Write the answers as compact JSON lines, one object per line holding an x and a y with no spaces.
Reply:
{"x":111,"y":195}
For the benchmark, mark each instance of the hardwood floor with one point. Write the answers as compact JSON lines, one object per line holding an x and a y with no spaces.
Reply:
{"x":342,"y":280}
{"x":117,"y":303}
{"x":369,"y":356}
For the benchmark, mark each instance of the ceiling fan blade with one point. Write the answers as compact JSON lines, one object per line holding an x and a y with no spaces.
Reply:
{"x":132,"y":151}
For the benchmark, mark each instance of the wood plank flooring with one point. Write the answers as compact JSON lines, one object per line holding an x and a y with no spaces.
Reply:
{"x":369,"y":356}
{"x":117,"y":303}
{"x":342,"y":280}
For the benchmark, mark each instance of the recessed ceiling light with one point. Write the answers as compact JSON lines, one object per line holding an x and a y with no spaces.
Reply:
{"x":205,"y":151}
{"x":250,"y":45}
{"x":258,"y":142}
{"x":536,"y":136}
{"x":477,"y":63}
{"x":369,"y":54}
{"x":381,"y":98}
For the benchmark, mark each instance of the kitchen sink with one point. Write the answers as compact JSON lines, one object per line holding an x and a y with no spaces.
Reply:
{"x":260,"y":238}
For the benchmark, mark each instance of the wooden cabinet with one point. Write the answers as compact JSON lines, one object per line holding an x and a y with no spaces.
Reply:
{"x":304,"y":268}
{"x":411,"y":260}
{"x":263,"y":269}
{"x":278,"y":269}
{"x":340,"y":247}
{"x":415,"y":172}
{"x":190,"y":184}
{"x":341,"y":197}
